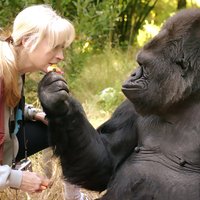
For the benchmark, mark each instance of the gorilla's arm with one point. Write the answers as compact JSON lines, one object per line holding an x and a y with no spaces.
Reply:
{"x":120,"y":133}
{"x":88,"y":157}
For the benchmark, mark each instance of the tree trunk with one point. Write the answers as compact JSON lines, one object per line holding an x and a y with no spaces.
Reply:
{"x":181,"y":4}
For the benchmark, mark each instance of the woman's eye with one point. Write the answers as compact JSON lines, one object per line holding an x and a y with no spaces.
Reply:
{"x":56,"y":47}
{"x":59,"y":47}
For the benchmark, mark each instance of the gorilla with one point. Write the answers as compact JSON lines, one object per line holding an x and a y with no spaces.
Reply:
{"x":150,"y":147}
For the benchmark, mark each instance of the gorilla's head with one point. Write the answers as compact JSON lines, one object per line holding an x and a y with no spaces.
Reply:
{"x":169,"y":66}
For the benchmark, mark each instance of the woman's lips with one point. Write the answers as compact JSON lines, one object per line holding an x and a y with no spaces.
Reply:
{"x":53,"y":68}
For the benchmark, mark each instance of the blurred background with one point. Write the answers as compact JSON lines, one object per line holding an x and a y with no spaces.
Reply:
{"x":109,"y":33}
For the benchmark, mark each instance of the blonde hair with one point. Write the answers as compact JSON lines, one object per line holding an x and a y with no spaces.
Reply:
{"x":33,"y":23}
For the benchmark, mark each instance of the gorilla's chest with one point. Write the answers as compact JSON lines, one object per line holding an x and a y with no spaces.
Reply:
{"x":165,"y":164}
{"x":179,"y":140}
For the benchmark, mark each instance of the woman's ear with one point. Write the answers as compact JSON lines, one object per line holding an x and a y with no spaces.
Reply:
{"x":25,"y":41}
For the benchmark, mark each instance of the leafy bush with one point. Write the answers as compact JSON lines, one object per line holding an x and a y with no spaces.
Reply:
{"x":109,"y":98}
{"x":104,"y":70}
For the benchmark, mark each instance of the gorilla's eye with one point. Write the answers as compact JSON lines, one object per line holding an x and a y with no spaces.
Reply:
{"x":180,"y":63}
{"x":140,"y":64}
{"x":183,"y":64}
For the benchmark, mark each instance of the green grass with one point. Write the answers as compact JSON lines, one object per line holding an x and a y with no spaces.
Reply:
{"x":106,"y":70}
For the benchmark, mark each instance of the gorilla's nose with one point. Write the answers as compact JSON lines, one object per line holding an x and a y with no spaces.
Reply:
{"x":133,"y":81}
{"x":137,"y":73}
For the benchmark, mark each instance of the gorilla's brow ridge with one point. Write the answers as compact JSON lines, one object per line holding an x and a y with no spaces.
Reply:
{"x":158,"y":39}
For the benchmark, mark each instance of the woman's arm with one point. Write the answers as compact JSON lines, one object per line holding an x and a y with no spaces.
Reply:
{"x":9,"y":177}
{"x":24,"y":180}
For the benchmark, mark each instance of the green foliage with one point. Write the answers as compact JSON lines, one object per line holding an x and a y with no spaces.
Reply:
{"x":157,"y":17}
{"x":109,"y":98}
{"x":103,"y":70}
{"x":95,"y":20}
{"x":8,"y":11}
{"x":31,"y":82}
{"x":147,"y":32}
{"x":76,"y":58}
{"x":132,"y":18}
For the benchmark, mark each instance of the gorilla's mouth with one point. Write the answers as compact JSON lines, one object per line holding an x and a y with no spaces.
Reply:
{"x":136,"y":81}
{"x":134,"y":85}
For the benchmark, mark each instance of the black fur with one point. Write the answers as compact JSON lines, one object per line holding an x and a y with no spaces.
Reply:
{"x":150,"y":147}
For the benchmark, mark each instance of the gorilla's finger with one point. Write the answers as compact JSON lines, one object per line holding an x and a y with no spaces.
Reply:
{"x":51,"y":77}
{"x":57,"y":86}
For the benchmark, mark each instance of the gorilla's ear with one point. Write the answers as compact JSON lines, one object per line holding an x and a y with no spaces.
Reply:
{"x":184,"y":65}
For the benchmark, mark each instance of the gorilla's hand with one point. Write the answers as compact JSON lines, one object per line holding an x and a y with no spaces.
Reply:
{"x":53,"y":93}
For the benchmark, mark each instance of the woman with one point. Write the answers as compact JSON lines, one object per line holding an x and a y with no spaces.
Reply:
{"x":37,"y":41}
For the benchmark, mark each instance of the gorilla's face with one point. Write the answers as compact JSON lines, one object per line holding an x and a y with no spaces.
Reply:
{"x":164,"y":75}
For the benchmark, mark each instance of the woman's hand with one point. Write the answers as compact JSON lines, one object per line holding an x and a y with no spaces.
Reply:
{"x":40,"y":116}
{"x":32,"y":182}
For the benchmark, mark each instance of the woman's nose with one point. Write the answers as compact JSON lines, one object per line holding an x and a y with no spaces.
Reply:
{"x":60,"y":55}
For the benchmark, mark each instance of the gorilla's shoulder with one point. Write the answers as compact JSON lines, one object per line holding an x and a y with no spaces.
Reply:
{"x":124,"y":116}
{"x":125,"y":108}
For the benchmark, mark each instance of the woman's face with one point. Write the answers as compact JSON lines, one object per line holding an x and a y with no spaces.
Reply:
{"x":43,"y":56}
